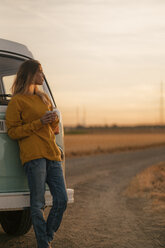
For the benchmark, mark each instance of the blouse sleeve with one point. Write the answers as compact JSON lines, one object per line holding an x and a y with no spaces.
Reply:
{"x":15,"y":128}
{"x":54,"y":125}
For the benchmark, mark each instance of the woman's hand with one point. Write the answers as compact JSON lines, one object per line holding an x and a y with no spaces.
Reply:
{"x":49,"y":117}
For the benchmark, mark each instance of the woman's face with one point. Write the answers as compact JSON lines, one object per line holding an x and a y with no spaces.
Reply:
{"x":39,"y":77}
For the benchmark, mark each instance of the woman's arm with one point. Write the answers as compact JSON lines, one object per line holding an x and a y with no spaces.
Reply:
{"x":15,"y":127}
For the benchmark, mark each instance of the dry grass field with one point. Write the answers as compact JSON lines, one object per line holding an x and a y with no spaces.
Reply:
{"x":150,"y":183}
{"x":86,"y":144}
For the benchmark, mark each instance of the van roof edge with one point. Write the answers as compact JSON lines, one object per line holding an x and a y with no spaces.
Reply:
{"x":15,"y":48}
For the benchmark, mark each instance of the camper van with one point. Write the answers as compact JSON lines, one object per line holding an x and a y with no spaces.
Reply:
{"x":14,"y":193}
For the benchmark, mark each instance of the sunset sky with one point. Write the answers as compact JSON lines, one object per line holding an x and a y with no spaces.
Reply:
{"x":104,"y":59}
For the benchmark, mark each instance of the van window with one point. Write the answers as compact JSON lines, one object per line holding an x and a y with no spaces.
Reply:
{"x":8,"y":69}
{"x":7,"y":83}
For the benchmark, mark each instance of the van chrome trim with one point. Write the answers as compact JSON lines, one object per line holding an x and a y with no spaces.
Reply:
{"x":21,"y":200}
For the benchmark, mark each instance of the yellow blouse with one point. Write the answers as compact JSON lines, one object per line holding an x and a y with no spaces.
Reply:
{"x":23,"y":124}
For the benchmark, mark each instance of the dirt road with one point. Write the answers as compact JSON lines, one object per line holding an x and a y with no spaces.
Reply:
{"x":102,"y":217}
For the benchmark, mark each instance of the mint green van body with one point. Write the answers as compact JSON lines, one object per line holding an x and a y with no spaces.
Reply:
{"x":14,"y":192}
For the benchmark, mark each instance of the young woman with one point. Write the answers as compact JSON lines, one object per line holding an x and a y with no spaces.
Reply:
{"x":29,"y":122}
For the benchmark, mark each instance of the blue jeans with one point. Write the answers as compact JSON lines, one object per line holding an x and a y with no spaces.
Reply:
{"x":39,"y":172}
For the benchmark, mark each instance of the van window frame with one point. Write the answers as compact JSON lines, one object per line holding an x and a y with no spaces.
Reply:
{"x":23,"y":58}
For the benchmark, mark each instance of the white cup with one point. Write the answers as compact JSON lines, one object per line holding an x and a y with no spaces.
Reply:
{"x":56,"y":111}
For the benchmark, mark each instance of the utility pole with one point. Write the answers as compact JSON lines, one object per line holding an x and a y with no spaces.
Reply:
{"x":77,"y":115}
{"x":161,"y":104}
{"x":84,"y":116}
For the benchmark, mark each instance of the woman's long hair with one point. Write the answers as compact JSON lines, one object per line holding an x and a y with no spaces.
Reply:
{"x":24,"y":78}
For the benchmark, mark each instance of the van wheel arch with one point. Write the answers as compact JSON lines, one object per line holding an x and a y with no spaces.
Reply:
{"x":16,"y":222}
